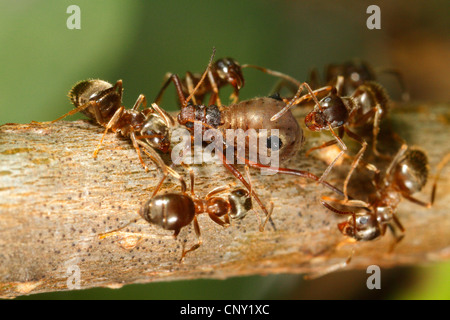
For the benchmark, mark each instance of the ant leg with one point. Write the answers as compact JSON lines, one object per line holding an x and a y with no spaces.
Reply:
{"x":274,"y":73}
{"x":397,"y":238}
{"x":185,"y":102}
{"x":333,"y":209}
{"x":239,"y":176}
{"x":323,"y":145}
{"x":215,"y":94}
{"x":168,"y":119}
{"x":190,"y":85}
{"x":167,"y":78}
{"x":219,"y":221}
{"x":196,"y":246}
{"x":140,"y":100}
{"x":102,"y":236}
{"x":297,"y":99}
{"x":138,"y":151}
{"x":348,"y":203}
{"x":358,"y":157}
{"x":268,"y":217}
{"x":115,"y":118}
{"x":395,"y":160}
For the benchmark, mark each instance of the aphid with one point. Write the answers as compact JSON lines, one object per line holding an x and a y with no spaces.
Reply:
{"x":173,"y":211}
{"x":406,"y":175}
{"x":223,"y":72}
{"x":354,"y":74}
{"x":149,"y":128}
{"x":366,"y":106}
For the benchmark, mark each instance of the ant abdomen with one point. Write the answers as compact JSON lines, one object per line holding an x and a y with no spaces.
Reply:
{"x":107,"y":96}
{"x":411,"y":172}
{"x":164,"y":211}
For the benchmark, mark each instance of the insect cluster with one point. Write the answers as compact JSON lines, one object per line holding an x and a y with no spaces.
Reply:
{"x":348,"y":102}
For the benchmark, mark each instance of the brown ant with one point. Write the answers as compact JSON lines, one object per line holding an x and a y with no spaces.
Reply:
{"x":405,"y":175}
{"x":225,"y":71}
{"x":173,"y":211}
{"x":354,"y":73}
{"x":367,"y":105}
{"x":149,"y":128}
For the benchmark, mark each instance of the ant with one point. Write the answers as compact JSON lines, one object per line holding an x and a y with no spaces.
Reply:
{"x":173,"y":211}
{"x":367,"y":105}
{"x":224,"y":71}
{"x":149,"y":128}
{"x":355,"y":73}
{"x":406,"y":174}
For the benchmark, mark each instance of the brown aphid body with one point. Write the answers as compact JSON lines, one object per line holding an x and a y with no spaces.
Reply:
{"x":252,"y":115}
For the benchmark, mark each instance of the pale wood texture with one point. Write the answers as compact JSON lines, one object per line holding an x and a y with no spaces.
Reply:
{"x":55,"y":201}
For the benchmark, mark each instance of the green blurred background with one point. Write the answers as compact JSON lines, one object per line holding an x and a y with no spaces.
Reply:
{"x":139,"y":41}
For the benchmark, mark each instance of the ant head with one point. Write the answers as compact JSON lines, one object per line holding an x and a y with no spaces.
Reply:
{"x":107,"y":96}
{"x":229,"y":70}
{"x":411,"y":172}
{"x":332,"y":111}
{"x":156,"y":133}
{"x":240,"y":202}
{"x":367,"y":227}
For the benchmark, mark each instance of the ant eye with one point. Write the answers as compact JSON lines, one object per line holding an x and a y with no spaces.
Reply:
{"x":274,"y":143}
{"x":363,"y":220}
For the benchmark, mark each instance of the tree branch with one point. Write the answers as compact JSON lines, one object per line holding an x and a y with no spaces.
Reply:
{"x":55,"y":201}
